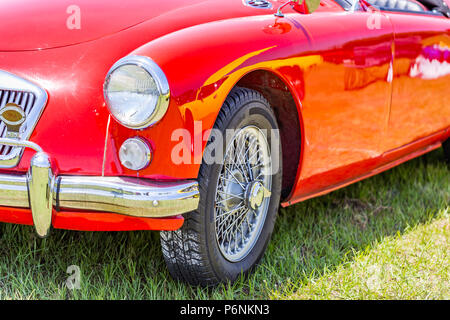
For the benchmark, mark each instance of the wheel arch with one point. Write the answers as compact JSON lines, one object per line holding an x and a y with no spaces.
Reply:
{"x":284,"y":102}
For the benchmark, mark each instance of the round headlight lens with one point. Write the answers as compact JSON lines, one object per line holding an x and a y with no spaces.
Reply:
{"x":135,"y":154}
{"x":137,"y":92}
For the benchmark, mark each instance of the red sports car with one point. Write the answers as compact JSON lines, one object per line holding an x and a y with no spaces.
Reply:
{"x":199,"y":117}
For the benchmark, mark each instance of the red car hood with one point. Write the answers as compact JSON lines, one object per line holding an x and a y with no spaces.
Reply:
{"x":31,"y":24}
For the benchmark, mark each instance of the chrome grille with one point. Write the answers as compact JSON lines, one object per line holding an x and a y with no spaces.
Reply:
{"x":24,"y":99}
{"x":32,"y":99}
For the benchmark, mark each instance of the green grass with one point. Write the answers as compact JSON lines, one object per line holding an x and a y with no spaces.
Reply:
{"x":385,"y":237}
{"x":410,"y":266}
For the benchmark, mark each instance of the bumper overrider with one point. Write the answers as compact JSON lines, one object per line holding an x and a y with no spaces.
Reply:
{"x":42,"y":192}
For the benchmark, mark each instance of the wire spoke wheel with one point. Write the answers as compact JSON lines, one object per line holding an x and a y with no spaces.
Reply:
{"x":242,"y":193}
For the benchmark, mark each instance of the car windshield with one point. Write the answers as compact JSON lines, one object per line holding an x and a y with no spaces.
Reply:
{"x":438,"y":7}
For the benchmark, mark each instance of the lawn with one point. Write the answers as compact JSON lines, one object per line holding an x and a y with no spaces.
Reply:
{"x":410,"y":266}
{"x":385,"y":237}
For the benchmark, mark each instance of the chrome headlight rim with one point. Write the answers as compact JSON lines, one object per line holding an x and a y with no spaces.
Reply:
{"x":161,"y":81}
{"x":148,"y":151}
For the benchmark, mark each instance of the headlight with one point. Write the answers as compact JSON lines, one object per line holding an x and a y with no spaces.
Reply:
{"x":137,"y":92}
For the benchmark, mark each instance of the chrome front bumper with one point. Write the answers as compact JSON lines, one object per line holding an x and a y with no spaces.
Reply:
{"x":41,"y":191}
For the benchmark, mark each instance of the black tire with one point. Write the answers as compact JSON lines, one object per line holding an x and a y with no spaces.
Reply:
{"x":192,"y":253}
{"x":446,"y":146}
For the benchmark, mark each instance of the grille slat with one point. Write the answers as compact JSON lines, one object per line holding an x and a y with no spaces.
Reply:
{"x":25,"y":101}
{"x":18,"y":97}
{"x":30,"y":103}
{"x":11,"y":96}
{"x":5,"y":95}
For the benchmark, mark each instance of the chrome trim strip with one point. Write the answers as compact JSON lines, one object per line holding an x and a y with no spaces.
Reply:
{"x":11,"y":82}
{"x":105,"y":148}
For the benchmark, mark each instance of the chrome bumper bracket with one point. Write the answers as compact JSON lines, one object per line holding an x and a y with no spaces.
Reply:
{"x":40,"y":186}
